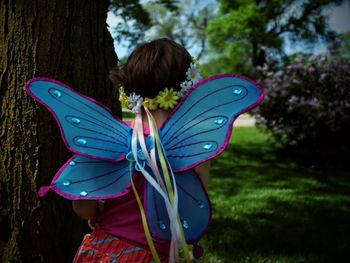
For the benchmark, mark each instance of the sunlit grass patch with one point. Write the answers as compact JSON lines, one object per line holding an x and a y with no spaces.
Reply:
{"x":270,"y":209}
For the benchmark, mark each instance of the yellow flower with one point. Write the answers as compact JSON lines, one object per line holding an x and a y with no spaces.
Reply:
{"x":167,"y":99}
{"x":150,"y":103}
{"x":124,"y":101}
{"x":123,"y":98}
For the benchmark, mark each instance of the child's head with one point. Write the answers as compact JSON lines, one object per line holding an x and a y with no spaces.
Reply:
{"x":152,"y":67}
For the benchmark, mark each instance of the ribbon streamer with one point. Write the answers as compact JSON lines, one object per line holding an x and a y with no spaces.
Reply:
{"x":167,"y":191}
{"x":165,"y":164}
{"x":138,"y":131}
{"x":144,"y":221}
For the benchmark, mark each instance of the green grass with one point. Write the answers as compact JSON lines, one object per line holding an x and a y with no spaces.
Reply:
{"x":127,"y":114}
{"x":269,"y":209}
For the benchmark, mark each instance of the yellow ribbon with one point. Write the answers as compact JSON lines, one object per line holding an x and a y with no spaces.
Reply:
{"x":144,"y":221}
{"x":164,"y":167}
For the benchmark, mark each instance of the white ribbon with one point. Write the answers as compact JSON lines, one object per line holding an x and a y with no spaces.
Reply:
{"x":172,"y":209}
{"x":175,"y":228}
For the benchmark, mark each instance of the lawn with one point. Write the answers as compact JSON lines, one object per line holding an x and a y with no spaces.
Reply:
{"x":269,"y":209}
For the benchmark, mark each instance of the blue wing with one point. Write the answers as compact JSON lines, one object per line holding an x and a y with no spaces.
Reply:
{"x":194,"y":208}
{"x":199,"y":128}
{"x":87,"y":127}
{"x":86,"y":178}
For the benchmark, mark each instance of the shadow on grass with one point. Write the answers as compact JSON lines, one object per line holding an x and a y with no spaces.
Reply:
{"x":312,"y":232}
{"x":269,"y":209}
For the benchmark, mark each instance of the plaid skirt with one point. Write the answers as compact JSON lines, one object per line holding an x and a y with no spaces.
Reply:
{"x":101,"y":247}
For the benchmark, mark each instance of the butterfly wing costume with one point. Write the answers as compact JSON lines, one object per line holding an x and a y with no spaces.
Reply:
{"x":197,"y":130}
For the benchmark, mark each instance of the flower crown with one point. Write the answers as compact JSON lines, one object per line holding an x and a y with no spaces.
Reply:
{"x":166,"y":99}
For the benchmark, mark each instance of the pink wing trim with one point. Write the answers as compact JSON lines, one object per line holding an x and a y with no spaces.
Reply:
{"x":228,"y":135}
{"x":27,"y":89}
{"x":44,"y":189}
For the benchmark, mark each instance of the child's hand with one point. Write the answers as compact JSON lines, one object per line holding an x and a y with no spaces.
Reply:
{"x":93,"y":224}
{"x":86,"y":209}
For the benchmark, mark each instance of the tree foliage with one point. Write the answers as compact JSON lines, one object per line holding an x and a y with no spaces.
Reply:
{"x":244,"y":27}
{"x":182,"y":21}
{"x":186,"y":25}
{"x":341,"y":46}
{"x":135,"y":19}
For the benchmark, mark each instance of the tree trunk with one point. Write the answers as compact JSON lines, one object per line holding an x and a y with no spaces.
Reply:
{"x":258,"y":55}
{"x":69,"y":41}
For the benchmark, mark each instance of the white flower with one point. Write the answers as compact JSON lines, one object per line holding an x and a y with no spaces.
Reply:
{"x":135,"y":102}
{"x":137,"y":107}
{"x":133,"y":99}
{"x":179,"y":93}
{"x":193,"y":74}
{"x":185,"y":86}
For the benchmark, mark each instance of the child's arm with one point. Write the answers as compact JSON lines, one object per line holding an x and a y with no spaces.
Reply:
{"x":203,"y":172}
{"x":86,"y":209}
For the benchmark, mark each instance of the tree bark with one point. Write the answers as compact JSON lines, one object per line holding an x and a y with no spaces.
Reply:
{"x":258,"y":55}
{"x":69,"y":41}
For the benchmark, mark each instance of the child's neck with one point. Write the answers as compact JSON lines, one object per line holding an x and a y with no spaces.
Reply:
{"x":159,"y":116}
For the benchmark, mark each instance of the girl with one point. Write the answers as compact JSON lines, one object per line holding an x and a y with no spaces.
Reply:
{"x":119,"y":233}
{"x":153,"y":180}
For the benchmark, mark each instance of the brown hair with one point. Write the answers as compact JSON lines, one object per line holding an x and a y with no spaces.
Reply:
{"x":152,"y":67}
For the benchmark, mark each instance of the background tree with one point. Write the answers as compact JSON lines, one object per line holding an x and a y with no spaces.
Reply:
{"x":180,"y":20}
{"x":186,"y":24}
{"x":65,"y":40}
{"x":244,"y":28}
{"x":341,"y":46}
{"x":135,"y":20}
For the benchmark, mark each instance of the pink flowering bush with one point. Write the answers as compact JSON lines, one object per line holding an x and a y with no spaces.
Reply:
{"x":307,"y":104}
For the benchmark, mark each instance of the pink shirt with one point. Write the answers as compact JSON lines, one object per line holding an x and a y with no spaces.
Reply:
{"x":121,"y":217}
